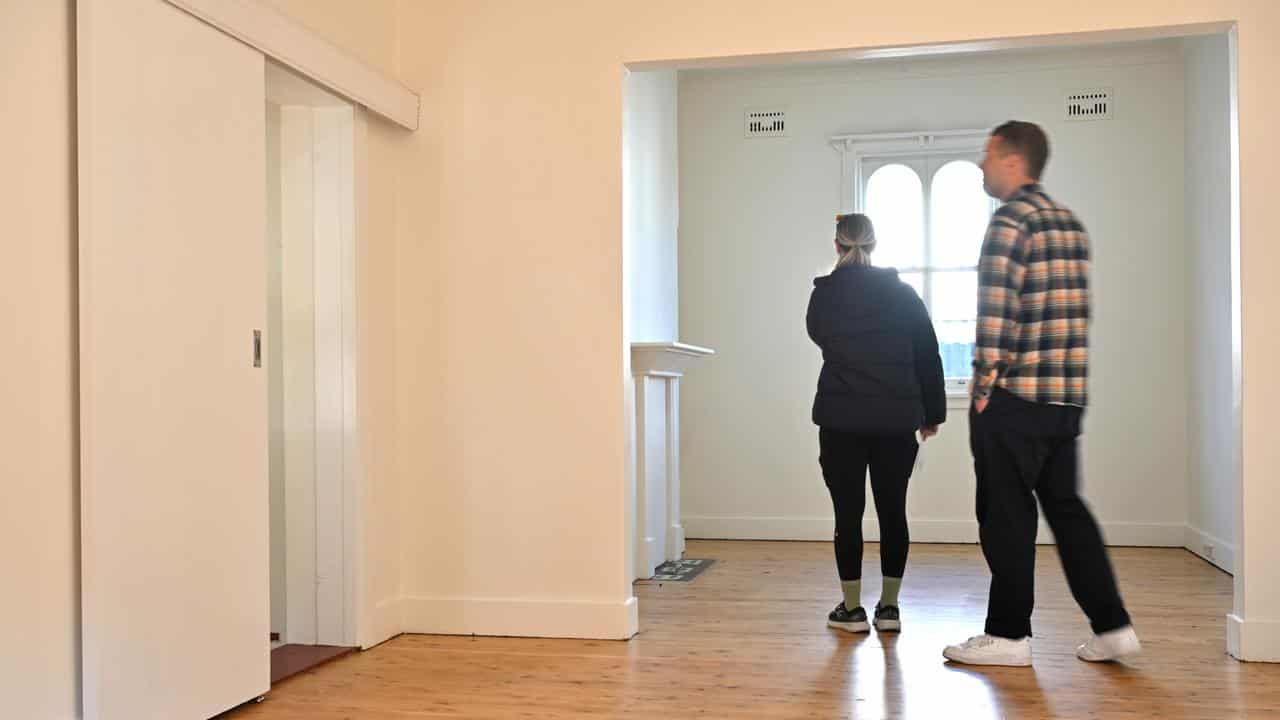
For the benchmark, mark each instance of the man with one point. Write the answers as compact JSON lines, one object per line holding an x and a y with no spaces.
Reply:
{"x":1029,"y":392}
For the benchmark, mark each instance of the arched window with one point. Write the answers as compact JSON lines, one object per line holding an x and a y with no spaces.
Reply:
{"x":932,"y":233}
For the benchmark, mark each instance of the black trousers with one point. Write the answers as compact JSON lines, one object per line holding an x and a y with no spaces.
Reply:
{"x":1023,"y":451}
{"x":845,"y":458}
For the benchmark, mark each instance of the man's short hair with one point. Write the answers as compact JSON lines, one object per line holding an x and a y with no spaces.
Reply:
{"x":1025,"y":139}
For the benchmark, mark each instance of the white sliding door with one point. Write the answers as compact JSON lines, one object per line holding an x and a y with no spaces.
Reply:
{"x":173,"y":408}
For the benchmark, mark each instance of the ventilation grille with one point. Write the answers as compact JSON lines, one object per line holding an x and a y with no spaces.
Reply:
{"x":766,"y":123}
{"x":1089,"y":105}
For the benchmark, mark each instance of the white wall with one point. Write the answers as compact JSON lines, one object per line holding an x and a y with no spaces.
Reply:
{"x":39,"y":518}
{"x":1213,"y":464}
{"x":651,"y":203}
{"x":757,"y":226}
{"x":275,"y":374}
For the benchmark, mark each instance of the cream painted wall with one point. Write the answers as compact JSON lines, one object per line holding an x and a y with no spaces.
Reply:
{"x":509,"y":265}
{"x":504,"y":214}
{"x":432,"y":492}
{"x":1214,"y":493}
{"x":380,"y":398}
{"x":368,"y":30}
{"x":39,"y":518}
{"x":528,"y":266}
{"x":504,"y":491}
{"x":757,"y":227}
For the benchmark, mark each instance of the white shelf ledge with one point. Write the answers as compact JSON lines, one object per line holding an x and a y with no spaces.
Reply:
{"x":665,"y":359}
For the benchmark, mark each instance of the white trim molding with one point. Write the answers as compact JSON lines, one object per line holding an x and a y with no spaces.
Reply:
{"x":278,"y":37}
{"x":855,"y":149}
{"x":1215,"y":551}
{"x":905,"y":143}
{"x":521,"y":617}
{"x":665,"y":359}
{"x":1253,"y":640}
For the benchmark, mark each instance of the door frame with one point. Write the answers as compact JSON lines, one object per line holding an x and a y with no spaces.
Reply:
{"x":324,"y":514}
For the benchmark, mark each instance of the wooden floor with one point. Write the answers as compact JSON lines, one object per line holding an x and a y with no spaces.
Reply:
{"x":747,"y":639}
{"x":290,"y":660}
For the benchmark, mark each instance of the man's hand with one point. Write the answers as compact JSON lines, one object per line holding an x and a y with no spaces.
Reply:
{"x":928,"y":432}
{"x":980,"y":404}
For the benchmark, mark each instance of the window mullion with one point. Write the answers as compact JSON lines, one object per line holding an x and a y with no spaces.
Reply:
{"x":926,"y":185}
{"x":925,"y":162}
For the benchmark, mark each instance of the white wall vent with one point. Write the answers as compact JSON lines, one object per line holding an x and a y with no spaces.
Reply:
{"x":1089,"y":105}
{"x":766,"y":123}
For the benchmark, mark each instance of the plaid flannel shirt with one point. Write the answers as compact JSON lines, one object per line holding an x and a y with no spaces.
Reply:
{"x":1033,"y":303}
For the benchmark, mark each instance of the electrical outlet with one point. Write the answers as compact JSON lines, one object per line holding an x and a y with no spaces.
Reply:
{"x":1208,"y":550}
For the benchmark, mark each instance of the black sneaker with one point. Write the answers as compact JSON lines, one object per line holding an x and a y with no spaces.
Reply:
{"x":843,"y":619}
{"x":887,"y":619}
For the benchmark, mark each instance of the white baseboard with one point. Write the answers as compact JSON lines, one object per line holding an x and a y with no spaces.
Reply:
{"x":1253,"y":640}
{"x":922,"y":531}
{"x":1214,"y":550}
{"x":518,"y":617}
{"x":1173,"y":535}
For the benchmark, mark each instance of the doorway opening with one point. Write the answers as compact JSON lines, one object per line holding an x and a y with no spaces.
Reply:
{"x":885,"y":132}
{"x":311,"y":371}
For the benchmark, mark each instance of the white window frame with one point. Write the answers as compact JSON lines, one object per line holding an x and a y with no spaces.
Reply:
{"x":859,"y":150}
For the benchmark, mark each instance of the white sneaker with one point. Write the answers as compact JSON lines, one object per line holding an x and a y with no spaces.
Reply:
{"x":1110,"y":646}
{"x":991,"y":650}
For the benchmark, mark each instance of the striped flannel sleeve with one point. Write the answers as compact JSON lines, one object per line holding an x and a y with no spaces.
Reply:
{"x":1000,"y":273}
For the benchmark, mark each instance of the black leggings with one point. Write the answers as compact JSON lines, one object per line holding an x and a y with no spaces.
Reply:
{"x":844,"y":458}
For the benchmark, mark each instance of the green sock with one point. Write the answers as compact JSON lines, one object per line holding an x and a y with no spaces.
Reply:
{"x":889,"y":592}
{"x":852,"y":590}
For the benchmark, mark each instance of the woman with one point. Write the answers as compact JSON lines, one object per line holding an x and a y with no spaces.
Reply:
{"x":881,"y":381}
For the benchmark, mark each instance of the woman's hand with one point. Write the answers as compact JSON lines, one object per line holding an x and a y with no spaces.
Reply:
{"x":928,"y":432}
